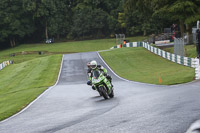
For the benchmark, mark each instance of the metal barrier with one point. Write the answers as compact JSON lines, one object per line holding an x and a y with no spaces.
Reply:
{"x":179,"y":46}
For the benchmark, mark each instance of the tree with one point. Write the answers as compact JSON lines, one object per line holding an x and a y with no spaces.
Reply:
{"x":15,"y":21}
{"x":95,"y":18}
{"x":59,"y":24}
{"x":144,"y":11}
{"x":93,"y":24}
{"x":33,"y":20}
{"x":44,"y":10}
{"x":186,"y":12}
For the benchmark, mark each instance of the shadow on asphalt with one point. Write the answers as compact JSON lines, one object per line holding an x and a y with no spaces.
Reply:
{"x":107,"y":100}
{"x":95,"y":97}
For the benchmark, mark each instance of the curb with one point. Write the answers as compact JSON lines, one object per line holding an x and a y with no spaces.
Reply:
{"x":194,"y":128}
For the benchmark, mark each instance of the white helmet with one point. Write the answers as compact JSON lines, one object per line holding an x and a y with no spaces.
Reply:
{"x":93,"y":64}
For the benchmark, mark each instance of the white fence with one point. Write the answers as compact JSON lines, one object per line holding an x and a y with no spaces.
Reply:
{"x":4,"y":64}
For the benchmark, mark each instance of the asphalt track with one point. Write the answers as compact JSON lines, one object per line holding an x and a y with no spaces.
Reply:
{"x":73,"y":107}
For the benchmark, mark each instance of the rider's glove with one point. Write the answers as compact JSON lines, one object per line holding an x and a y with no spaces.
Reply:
{"x":89,"y":83}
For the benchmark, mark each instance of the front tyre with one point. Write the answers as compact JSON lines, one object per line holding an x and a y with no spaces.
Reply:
{"x":103,"y":92}
{"x":100,"y":93}
{"x":111,"y":95}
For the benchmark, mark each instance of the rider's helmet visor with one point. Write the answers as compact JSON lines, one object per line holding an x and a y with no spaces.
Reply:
{"x":93,"y":66}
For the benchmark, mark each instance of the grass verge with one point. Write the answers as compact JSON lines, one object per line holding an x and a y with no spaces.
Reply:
{"x":139,"y":64}
{"x":22,"y":83}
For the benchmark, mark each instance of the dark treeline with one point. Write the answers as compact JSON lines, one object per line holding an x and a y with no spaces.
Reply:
{"x":30,"y":21}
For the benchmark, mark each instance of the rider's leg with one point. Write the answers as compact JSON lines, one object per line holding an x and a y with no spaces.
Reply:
{"x":110,"y":79}
{"x":108,"y":84}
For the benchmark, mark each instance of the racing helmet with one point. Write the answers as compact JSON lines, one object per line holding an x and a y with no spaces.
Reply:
{"x":93,"y":64}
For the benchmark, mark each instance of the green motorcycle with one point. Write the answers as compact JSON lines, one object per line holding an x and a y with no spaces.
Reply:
{"x":102,"y":84}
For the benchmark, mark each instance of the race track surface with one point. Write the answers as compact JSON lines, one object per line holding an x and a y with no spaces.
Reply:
{"x":73,"y":107}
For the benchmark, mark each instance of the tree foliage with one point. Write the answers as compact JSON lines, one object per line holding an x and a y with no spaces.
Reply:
{"x":16,"y":21}
{"x":36,"y":20}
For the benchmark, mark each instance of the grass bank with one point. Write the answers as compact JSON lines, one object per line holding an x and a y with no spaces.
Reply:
{"x":139,"y":64}
{"x":22,"y":83}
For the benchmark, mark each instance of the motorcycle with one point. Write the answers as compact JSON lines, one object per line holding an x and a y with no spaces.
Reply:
{"x":102,"y":84}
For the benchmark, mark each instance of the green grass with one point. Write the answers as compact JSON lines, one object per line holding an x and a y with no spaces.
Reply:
{"x":22,"y":83}
{"x":190,"y":50}
{"x":60,"y":48}
{"x":22,"y":58}
{"x":138,"y":64}
{"x":69,"y":47}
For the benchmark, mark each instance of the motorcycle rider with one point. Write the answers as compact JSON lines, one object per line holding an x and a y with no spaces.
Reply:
{"x":93,"y":66}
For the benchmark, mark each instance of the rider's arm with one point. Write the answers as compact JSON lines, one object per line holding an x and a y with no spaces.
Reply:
{"x":89,"y":72}
{"x":103,"y":69}
{"x":89,"y":78}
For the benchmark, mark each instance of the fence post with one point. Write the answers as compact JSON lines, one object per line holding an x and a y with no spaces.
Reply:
{"x":197,"y":69}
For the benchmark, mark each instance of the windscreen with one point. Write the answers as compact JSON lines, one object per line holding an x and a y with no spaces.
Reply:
{"x":96,"y":74}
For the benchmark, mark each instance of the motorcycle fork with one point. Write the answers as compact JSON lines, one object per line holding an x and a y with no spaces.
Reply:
{"x":108,"y":85}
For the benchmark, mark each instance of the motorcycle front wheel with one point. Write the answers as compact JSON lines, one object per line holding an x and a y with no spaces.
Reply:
{"x":103,"y":92}
{"x":111,"y":95}
{"x":100,"y":93}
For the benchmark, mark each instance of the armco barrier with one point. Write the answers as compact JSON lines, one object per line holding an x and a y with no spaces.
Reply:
{"x":4,"y":64}
{"x":190,"y":62}
{"x":162,"y":42}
